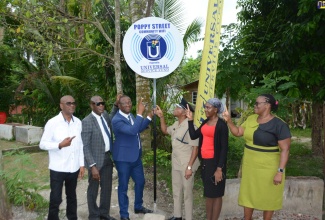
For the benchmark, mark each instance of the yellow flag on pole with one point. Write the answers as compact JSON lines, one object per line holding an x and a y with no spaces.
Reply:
{"x":209,"y":62}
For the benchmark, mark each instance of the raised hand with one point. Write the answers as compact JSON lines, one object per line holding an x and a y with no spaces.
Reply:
{"x":117,"y":99}
{"x":158,"y":111}
{"x":226,"y":115}
{"x":141,"y":106}
{"x":189,"y":114}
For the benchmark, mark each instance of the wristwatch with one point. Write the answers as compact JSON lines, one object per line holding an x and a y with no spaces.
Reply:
{"x":280,"y":170}
{"x":189,"y":167}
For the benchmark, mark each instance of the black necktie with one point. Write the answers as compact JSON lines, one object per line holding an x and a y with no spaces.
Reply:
{"x":105,"y":127}
{"x":106,"y":131}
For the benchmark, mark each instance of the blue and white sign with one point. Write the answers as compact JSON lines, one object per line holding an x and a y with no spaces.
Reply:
{"x":153,"y":47}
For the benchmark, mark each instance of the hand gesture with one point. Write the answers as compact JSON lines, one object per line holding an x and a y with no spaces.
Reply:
{"x":141,"y":106}
{"x":117,"y":99}
{"x":226,"y":115}
{"x":158,"y":111}
{"x":66,"y":142}
{"x":189,"y":114}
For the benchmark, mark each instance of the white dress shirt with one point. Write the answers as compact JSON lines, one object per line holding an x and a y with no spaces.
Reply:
{"x":106,"y":140}
{"x":67,"y":159}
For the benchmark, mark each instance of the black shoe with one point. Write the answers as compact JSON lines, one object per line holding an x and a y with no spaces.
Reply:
{"x":175,"y":218}
{"x":125,"y":218}
{"x":143,"y":210}
{"x":107,"y":218}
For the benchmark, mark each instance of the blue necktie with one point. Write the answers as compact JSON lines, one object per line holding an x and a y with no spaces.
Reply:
{"x":129,"y":117}
{"x":130,"y":120}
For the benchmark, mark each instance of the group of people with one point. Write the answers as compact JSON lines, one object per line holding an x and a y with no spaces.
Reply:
{"x":267,"y":143}
{"x":74,"y":145}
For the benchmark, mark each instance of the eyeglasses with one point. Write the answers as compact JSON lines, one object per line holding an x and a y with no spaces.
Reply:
{"x":126,"y":103}
{"x":257,"y":103}
{"x":98,"y":103}
{"x":70,"y":103}
{"x":208,"y":107}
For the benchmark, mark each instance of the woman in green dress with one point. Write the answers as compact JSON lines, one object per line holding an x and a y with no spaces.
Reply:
{"x":267,"y":144}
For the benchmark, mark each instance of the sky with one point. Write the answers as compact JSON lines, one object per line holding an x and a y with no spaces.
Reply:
{"x":198,"y":8}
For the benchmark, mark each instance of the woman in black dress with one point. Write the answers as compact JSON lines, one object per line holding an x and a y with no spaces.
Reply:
{"x":213,"y":148}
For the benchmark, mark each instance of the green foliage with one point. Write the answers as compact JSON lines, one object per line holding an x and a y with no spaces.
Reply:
{"x":298,"y":132}
{"x":302,"y":162}
{"x":235,"y":154}
{"x":22,"y":189}
{"x":163,"y":158}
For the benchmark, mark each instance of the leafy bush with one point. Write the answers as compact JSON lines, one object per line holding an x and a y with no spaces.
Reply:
{"x":163,"y":158}
{"x":235,"y":154}
{"x":22,"y":189}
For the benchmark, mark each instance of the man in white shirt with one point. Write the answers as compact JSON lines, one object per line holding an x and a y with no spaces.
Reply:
{"x":97,"y":138}
{"x":62,"y":139}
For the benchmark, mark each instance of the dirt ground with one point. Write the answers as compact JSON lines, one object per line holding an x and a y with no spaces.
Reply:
{"x":164,"y":203}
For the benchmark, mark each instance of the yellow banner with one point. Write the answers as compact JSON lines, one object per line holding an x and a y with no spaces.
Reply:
{"x":209,"y":62}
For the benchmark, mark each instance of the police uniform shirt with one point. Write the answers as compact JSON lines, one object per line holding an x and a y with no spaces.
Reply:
{"x":182,"y":146}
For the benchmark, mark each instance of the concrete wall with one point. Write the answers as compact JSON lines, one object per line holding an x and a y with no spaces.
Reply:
{"x":23,"y":133}
{"x":29,"y":134}
{"x":6,"y":132}
{"x":302,"y":195}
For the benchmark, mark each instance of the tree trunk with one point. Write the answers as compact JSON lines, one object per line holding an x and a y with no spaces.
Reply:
{"x":5,"y":207}
{"x":117,"y":48}
{"x":324,"y":139}
{"x":2,"y":34}
{"x":139,"y":8}
{"x":317,"y":127}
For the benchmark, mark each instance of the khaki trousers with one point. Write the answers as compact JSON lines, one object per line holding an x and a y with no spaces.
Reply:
{"x":182,"y":186}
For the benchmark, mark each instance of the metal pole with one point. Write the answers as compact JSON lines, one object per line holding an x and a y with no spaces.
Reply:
{"x":154,"y":148}
{"x":155,"y":134}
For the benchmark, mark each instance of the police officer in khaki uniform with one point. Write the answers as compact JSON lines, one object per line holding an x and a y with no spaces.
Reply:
{"x":184,"y":159}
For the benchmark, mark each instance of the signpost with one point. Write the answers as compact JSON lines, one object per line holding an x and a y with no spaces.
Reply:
{"x":153,"y":48}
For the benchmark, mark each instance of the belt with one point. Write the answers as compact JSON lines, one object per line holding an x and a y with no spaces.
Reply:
{"x":262,"y":150}
{"x":108,"y":152}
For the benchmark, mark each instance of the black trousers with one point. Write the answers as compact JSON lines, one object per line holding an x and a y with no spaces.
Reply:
{"x":105,"y":172}
{"x":70,"y":182}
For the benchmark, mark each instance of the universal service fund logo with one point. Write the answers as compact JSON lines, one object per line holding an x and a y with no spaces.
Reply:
{"x":321,"y":4}
{"x":153,"y":47}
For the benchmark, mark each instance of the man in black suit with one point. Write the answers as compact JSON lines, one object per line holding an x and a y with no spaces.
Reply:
{"x":97,"y":140}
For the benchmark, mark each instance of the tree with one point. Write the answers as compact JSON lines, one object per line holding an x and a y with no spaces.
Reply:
{"x":284,"y":39}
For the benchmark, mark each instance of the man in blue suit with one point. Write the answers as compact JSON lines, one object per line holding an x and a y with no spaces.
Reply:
{"x":127,"y":151}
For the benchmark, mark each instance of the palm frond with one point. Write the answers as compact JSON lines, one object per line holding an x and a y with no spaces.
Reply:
{"x":172,"y":11}
{"x":192,"y":33}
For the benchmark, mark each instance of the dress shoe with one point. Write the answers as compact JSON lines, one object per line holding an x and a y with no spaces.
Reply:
{"x":125,"y":218}
{"x":107,"y":218}
{"x":175,"y":218}
{"x":143,"y":210}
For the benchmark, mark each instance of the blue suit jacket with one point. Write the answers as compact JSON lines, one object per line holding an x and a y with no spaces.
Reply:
{"x":127,"y":137}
